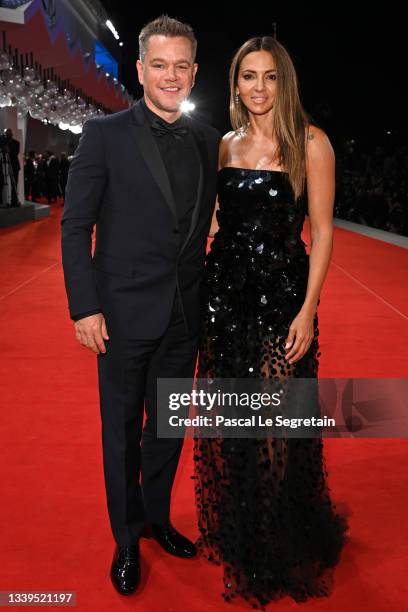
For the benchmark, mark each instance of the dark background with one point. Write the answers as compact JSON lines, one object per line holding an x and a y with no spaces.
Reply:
{"x":352,"y":70}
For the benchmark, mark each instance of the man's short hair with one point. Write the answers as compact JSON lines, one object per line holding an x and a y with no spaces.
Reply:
{"x":165,"y":26}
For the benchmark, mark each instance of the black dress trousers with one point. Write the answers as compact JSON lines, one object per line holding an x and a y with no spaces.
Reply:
{"x":139,"y":468}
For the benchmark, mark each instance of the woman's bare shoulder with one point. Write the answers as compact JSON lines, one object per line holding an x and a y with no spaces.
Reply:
{"x":317,"y":141}
{"x":225,"y":146}
{"x":314,"y":133}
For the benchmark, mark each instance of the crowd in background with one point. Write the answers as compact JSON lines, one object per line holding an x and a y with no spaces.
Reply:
{"x":45,"y":176}
{"x":372,"y":187}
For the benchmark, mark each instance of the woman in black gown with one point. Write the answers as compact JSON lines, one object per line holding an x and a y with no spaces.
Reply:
{"x":264,"y":507}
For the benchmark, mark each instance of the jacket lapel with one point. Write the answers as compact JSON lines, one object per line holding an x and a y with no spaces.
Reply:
{"x":145,"y":141}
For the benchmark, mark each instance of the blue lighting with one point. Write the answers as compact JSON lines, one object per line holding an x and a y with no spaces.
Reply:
{"x":104,"y":58}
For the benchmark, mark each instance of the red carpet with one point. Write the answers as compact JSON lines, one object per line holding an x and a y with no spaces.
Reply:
{"x":55,"y":534}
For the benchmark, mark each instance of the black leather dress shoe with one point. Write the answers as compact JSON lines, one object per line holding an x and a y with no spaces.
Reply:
{"x":172,"y":541}
{"x":125,"y":570}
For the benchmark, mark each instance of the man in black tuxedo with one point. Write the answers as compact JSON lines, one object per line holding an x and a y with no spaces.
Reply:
{"x":146,"y":177}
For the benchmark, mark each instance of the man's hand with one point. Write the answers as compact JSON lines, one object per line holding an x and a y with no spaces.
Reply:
{"x":91,"y":332}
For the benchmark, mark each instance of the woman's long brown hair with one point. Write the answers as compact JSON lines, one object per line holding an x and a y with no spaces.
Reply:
{"x":290,"y":119}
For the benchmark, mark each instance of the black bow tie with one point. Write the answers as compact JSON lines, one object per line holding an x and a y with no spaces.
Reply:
{"x":161,"y":128}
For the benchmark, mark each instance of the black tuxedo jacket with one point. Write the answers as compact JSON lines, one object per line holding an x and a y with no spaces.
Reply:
{"x":118,"y":182}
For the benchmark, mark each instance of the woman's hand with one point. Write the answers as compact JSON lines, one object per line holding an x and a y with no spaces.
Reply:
{"x":301,"y":334}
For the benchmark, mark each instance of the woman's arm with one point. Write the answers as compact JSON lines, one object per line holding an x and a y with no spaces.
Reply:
{"x":320,"y":175}
{"x":320,"y":166}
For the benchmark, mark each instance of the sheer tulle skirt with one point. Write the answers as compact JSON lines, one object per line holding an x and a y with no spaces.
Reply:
{"x":264,"y":507}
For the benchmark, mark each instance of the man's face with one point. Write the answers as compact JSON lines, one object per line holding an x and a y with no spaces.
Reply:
{"x":167,"y":73}
{"x":9,"y":134}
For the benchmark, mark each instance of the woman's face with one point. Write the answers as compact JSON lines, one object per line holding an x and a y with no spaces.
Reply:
{"x":256,"y":83}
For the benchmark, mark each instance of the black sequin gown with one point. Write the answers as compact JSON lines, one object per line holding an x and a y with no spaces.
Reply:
{"x":264,"y":507}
